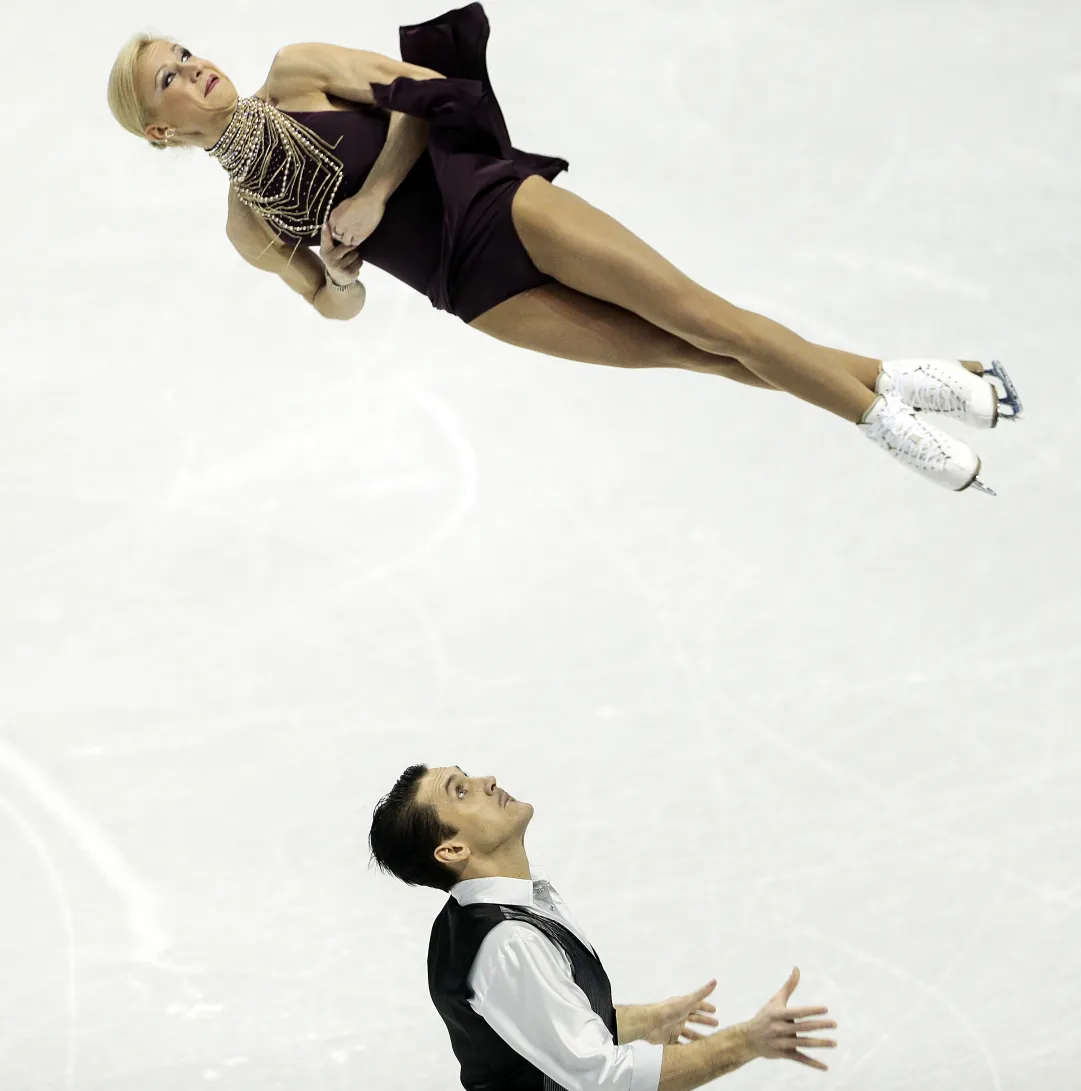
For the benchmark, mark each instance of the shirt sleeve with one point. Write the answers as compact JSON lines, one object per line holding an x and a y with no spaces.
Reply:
{"x":523,"y":989}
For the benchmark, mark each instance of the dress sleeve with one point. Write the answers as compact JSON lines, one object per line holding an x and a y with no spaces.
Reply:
{"x":523,"y":988}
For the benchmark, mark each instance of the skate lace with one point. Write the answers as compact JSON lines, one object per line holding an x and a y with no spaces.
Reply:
{"x":929,"y":388}
{"x":910,"y":440}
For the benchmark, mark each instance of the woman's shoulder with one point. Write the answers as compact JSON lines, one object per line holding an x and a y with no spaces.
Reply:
{"x":291,"y":84}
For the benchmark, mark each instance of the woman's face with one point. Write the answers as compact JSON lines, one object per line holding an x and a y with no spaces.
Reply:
{"x":184,"y":93}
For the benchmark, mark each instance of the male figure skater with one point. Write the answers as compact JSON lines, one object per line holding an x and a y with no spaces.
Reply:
{"x":523,"y":994}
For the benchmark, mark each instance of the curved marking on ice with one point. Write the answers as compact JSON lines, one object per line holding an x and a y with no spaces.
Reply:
{"x":140,"y":902}
{"x":930,"y":989}
{"x":45,"y":857}
{"x":448,"y":425}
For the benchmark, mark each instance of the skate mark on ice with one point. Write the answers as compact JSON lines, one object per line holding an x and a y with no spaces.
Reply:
{"x":150,"y":939}
{"x":434,"y":638}
{"x":41,"y":850}
{"x":344,"y":548}
{"x":611,"y":548}
{"x":710,"y":43}
{"x":465,"y":456}
{"x":929,"y":989}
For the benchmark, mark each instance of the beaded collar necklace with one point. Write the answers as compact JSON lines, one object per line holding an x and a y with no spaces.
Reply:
{"x":279,"y":168}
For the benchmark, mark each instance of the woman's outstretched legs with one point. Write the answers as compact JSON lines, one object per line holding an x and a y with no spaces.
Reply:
{"x":601,"y":262}
{"x":587,"y":250}
{"x":561,"y":322}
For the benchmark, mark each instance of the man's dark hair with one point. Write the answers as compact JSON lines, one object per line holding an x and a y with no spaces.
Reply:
{"x":405,"y":835}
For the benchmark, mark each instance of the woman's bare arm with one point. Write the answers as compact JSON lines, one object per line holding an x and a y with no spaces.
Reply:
{"x":301,"y":270}
{"x":334,"y":70}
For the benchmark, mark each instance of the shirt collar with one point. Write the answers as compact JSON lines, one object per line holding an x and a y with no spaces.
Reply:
{"x":499,"y":889}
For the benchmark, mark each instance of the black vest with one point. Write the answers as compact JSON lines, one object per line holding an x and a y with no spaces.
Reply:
{"x":488,"y":1063}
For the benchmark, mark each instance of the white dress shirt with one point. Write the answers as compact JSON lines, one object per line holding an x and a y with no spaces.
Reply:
{"x":524,"y":990}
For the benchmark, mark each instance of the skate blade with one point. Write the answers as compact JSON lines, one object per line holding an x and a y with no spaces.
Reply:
{"x":979,"y":486}
{"x":1011,"y":398}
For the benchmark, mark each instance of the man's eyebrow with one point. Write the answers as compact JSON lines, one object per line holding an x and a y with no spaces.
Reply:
{"x":446,"y":786}
{"x":157,"y":75}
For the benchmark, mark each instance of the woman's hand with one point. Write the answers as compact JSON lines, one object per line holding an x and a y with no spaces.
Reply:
{"x":676,"y":1013}
{"x":356,"y":218}
{"x":342,"y":262}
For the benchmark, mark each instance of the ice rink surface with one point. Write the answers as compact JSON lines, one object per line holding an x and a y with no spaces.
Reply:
{"x":776,"y":701}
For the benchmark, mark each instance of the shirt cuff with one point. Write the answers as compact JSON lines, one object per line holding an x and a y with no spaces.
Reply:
{"x":646,"y":1072}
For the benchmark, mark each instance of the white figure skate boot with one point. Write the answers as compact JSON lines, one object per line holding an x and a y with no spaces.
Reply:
{"x":922,"y":447}
{"x":949,"y":388}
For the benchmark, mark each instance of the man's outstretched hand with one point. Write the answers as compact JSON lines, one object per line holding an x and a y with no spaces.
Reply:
{"x":775,"y":1032}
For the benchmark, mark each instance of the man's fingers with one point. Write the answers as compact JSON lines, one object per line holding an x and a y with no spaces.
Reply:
{"x":789,"y":987}
{"x":795,"y":1055}
{"x":821,"y":1024}
{"x":814,"y":1043}
{"x":802,"y":1013}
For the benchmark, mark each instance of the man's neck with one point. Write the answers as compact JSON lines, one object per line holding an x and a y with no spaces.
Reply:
{"x":514,"y":866}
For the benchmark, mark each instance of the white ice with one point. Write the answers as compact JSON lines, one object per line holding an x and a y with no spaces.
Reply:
{"x":776,"y":701}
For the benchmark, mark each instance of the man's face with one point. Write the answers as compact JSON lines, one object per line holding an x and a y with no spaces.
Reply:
{"x":488,"y":820}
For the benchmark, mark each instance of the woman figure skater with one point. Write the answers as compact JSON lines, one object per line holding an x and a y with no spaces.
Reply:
{"x":408,"y":165}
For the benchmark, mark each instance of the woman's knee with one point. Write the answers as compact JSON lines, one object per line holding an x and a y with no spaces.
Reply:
{"x":713,"y":324}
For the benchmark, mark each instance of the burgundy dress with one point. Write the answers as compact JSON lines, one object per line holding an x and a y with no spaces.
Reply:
{"x":447,"y":230}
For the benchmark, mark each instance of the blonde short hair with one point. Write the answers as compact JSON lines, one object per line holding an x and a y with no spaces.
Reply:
{"x":124,"y":101}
